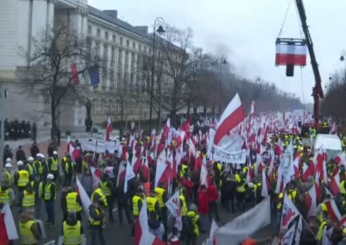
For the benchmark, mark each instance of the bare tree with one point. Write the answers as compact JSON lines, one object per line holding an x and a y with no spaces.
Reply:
{"x":49,"y":70}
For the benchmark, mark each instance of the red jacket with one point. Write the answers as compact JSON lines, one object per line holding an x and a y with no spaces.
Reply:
{"x":203,"y":202}
{"x":188,"y":184}
{"x":213,"y":193}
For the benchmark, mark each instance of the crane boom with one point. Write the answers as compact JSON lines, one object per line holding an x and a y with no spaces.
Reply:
{"x":317,"y":91}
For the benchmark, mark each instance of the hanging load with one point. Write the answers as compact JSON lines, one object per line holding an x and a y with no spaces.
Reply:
{"x":290,"y":52}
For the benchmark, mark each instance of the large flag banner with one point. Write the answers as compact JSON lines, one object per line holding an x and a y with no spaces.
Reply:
{"x":239,"y":229}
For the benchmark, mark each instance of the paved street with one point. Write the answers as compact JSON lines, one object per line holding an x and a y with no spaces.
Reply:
{"x":116,"y":234}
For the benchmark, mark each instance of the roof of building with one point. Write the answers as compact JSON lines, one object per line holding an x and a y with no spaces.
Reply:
{"x":102,"y":15}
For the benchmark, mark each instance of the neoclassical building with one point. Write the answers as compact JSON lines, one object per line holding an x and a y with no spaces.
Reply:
{"x":121,"y":46}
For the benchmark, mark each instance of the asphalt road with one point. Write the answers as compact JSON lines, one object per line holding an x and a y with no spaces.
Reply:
{"x":116,"y":234}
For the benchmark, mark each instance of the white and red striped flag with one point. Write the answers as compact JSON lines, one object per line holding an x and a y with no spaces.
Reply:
{"x":8,"y":230}
{"x":109,"y":128}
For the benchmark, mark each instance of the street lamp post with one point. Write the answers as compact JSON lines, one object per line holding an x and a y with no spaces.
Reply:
{"x":158,"y":23}
{"x":3,"y":118}
{"x":223,"y":61}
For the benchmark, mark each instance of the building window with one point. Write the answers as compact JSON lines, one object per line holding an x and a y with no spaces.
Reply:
{"x":105,"y":52}
{"x":114,"y":39}
{"x":145,"y":49}
{"x":127,"y":43}
{"x":98,"y":32}
{"x":97,"y":49}
{"x":106,"y":36}
{"x":113,"y":55}
{"x":121,"y":41}
{"x":134,"y":45}
{"x":89,"y":30}
{"x":139,"y":47}
{"x":98,"y":104}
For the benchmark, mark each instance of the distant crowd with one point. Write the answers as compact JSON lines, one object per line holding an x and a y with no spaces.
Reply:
{"x":15,"y":130}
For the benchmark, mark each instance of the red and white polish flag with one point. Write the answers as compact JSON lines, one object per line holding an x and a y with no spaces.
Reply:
{"x":142,"y":234}
{"x":230,"y":118}
{"x":86,"y":202}
{"x":290,"y":55}
{"x":8,"y":230}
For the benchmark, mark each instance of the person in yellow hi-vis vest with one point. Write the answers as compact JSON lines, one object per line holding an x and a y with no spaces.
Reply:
{"x":49,"y":197}
{"x":68,"y":169}
{"x":161,"y":196}
{"x":107,"y":188}
{"x":240,"y":190}
{"x":72,"y":230}
{"x":325,"y":224}
{"x":28,"y":199}
{"x":38,"y":186}
{"x":137,"y":203}
{"x":98,"y":195}
{"x":192,"y":225}
{"x":29,"y":229}
{"x":153,"y":204}
{"x":53,"y":165}
{"x":7,"y":174}
{"x":74,"y":203}
{"x":20,"y":179}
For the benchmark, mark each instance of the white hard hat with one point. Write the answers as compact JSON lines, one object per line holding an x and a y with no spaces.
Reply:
{"x":30,"y":159}
{"x":38,"y":155}
{"x":55,"y":153}
{"x":8,"y":159}
{"x":250,"y":185}
{"x":50,"y":176}
{"x":42,"y":156}
{"x":8,"y":165}
{"x":20,"y":163}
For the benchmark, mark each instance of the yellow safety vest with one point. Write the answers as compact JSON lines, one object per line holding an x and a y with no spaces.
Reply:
{"x":28,"y":199}
{"x":31,"y":168}
{"x":23,"y":178}
{"x":184,"y":209}
{"x":135,"y":207}
{"x":47,"y":192}
{"x":40,"y":167}
{"x":342,"y":187}
{"x":72,"y":234}
{"x":151,"y":203}
{"x":55,"y":165}
{"x":71,"y":201}
{"x":26,"y":235}
{"x":4,"y":196}
{"x":159,"y":196}
{"x":321,"y":231}
{"x":9,"y":176}
{"x":240,"y":188}
{"x":102,"y":197}
{"x":195,"y":217}
{"x":67,"y":166}
{"x":105,"y":190}
{"x":183,"y":170}
{"x":95,"y":222}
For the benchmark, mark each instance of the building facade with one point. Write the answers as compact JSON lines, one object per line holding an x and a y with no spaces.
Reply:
{"x":121,"y":46}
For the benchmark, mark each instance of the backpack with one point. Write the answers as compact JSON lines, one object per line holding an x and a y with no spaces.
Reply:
{"x":189,"y":226}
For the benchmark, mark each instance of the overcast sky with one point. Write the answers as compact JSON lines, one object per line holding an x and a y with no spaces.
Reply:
{"x":245,"y":31}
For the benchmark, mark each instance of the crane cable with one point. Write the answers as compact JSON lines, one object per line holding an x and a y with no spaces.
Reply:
{"x":283,"y":23}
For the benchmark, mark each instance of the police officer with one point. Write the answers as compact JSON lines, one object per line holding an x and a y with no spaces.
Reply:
{"x":74,"y":203}
{"x":29,"y":229}
{"x":53,"y":165}
{"x":28,"y":199}
{"x":108,"y":191}
{"x":6,"y":174}
{"x":72,"y":230}
{"x":97,"y":222}
{"x":49,"y":197}
{"x":98,"y":195}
